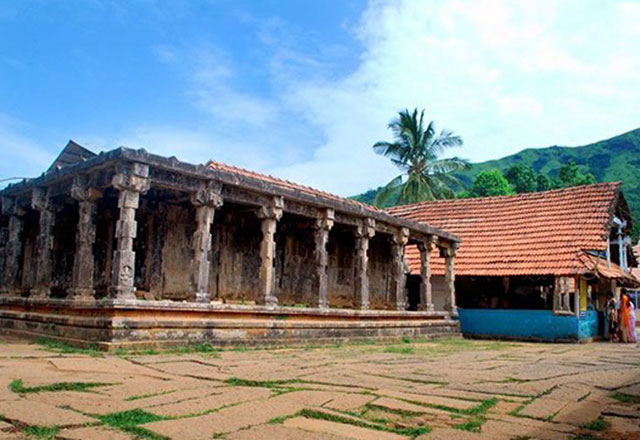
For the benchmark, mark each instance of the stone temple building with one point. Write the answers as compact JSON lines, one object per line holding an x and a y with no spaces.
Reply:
{"x":127,"y":248}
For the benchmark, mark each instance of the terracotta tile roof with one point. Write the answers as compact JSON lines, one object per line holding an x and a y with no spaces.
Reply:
{"x":289,"y":185}
{"x":526,"y":234}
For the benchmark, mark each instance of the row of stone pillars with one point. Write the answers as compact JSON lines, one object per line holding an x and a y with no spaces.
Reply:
{"x":132,"y":180}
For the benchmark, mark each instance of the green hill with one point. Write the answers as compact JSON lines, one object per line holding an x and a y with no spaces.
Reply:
{"x":610,"y":160}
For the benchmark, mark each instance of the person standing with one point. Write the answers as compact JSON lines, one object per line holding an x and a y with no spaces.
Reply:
{"x":624,"y":318}
{"x":632,"y":321}
{"x":611,"y":319}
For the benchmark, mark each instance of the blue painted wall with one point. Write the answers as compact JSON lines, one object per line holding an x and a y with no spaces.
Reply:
{"x":539,"y":325}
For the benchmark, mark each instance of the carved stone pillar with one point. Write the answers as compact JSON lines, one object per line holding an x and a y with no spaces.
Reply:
{"x":13,"y":247}
{"x":206,"y":200}
{"x":270,"y":215}
{"x":364,"y":232}
{"x":399,"y":282}
{"x":450,"y":276}
{"x":131,"y":180}
{"x":83,"y":260}
{"x":426,"y":297}
{"x":321,"y":238}
{"x":41,"y":202}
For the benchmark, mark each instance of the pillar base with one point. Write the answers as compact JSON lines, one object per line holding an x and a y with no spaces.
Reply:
{"x":81,"y":293}
{"x":122,"y":292}
{"x":40,"y":292}
{"x":363,"y":306}
{"x":203,"y":297}
{"x":401,"y":307}
{"x":426,"y":307}
{"x":323,"y":305}
{"x":271,"y":301}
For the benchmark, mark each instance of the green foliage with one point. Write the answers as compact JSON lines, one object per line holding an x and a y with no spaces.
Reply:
{"x":490,"y":183}
{"x":598,"y":424}
{"x":415,"y":151}
{"x":60,"y":347}
{"x":626,"y":398}
{"x":17,"y":386}
{"x":570,"y":175}
{"x":523,"y":178}
{"x":610,"y":160}
{"x":128,"y":421}
{"x":41,"y":432}
{"x":406,"y":349}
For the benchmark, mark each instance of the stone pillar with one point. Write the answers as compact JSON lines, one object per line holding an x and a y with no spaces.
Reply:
{"x":206,"y":200}
{"x":450,"y":276}
{"x":131,"y":180}
{"x":83,"y":260}
{"x":41,"y":202}
{"x":270,"y":215}
{"x":399,"y":281}
{"x":426,"y":297}
{"x":364,"y":232}
{"x":13,"y":247}
{"x":321,"y":238}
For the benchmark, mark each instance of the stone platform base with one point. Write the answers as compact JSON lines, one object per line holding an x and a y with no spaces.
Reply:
{"x":111,"y":324}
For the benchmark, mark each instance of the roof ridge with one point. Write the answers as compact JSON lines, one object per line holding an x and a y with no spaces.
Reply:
{"x":295,"y":184}
{"x":535,"y":194}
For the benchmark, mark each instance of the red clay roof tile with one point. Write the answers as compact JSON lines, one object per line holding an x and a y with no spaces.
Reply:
{"x":526,"y":234}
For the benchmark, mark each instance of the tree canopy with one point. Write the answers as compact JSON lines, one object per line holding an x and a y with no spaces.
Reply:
{"x":490,"y":183}
{"x":415,"y":150}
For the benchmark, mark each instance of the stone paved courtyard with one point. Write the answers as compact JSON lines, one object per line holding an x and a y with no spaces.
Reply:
{"x":448,"y":389}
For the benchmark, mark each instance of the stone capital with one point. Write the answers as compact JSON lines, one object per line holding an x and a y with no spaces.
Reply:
{"x":273,"y":210}
{"x":325,"y":222}
{"x":427,"y":246}
{"x":83,"y":193}
{"x":208,"y":194}
{"x":366,"y":229}
{"x":11,"y":207}
{"x":40,"y":200}
{"x":132,"y":177}
{"x":401,"y":237}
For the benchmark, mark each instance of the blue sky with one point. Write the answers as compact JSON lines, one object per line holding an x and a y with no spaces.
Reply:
{"x":302,"y":89}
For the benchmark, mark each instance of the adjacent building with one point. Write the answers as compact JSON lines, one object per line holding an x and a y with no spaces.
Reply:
{"x":530,"y":266}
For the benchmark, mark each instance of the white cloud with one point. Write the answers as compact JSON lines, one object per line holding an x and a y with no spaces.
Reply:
{"x":20,"y":156}
{"x":504,"y":74}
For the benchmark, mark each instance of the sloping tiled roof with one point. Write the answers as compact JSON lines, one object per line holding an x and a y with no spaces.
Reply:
{"x":289,"y":185}
{"x":541,"y":233}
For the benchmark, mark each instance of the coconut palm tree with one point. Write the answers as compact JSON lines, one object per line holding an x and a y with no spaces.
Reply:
{"x":415,"y":151}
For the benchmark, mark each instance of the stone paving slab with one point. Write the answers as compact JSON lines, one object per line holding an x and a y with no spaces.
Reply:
{"x":93,"y":433}
{"x":573,"y":383}
{"x":281,"y":432}
{"x":349,"y":431}
{"x":36,"y":413}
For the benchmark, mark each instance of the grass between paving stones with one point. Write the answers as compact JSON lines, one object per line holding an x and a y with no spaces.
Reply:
{"x":129,"y":421}
{"x":516,"y":412}
{"x":61,"y":347}
{"x":598,"y":424}
{"x":399,"y":349}
{"x":41,"y":432}
{"x":17,"y":386}
{"x":148,"y":395}
{"x":626,"y":398}
{"x":360,"y":422}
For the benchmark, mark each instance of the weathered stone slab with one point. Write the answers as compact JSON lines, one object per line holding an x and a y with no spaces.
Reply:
{"x":449,"y":434}
{"x":427,"y":399}
{"x":36,"y":413}
{"x":280,"y":432}
{"x":349,"y":402}
{"x":93,"y":433}
{"x":223,"y":397}
{"x":578,"y":413}
{"x":241,"y":416}
{"x":343,"y":430}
